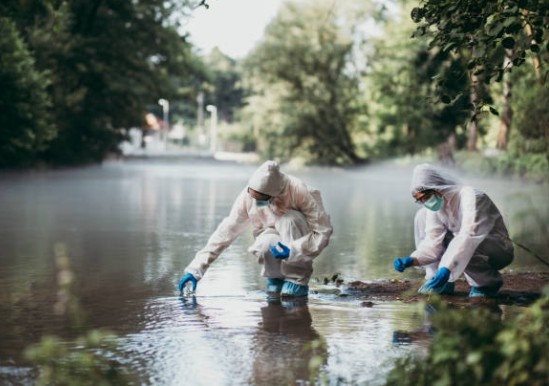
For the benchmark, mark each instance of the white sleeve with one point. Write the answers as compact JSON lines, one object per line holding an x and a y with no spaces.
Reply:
{"x":310,"y":245}
{"x":227,"y":231}
{"x":430,"y":249}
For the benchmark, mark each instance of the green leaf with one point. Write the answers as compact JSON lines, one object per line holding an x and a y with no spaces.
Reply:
{"x":417,"y":14}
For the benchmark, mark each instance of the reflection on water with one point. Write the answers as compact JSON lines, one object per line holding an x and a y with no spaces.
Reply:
{"x":249,"y":341}
{"x":287,"y":345}
{"x":130,"y":228}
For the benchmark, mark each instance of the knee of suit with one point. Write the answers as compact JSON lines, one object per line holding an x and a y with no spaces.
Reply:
{"x":262,"y":245}
{"x":292,"y":223}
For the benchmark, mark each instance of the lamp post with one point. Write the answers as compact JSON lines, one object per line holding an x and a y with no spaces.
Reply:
{"x":165,"y":110}
{"x":213,"y":127}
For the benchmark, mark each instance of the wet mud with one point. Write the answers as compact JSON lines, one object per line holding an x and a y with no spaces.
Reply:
{"x":520,"y":289}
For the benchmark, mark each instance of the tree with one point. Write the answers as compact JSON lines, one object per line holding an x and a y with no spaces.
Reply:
{"x":124,"y":56}
{"x":531,"y":115}
{"x":485,"y":26}
{"x":304,"y":81}
{"x":403,"y":85}
{"x":495,"y":36}
{"x":107,"y":60}
{"x":25,"y":122}
{"x":226,"y":90}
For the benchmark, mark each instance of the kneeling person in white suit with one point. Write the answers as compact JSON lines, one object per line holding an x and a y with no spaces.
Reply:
{"x":458,"y":231}
{"x":290,"y":228}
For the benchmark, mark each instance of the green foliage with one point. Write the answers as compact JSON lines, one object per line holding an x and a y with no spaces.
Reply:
{"x":226,"y":92}
{"x":303,"y":81}
{"x":445,"y":83}
{"x":484,"y":27}
{"x":317,"y":350}
{"x":532,"y":166}
{"x":402,"y":85}
{"x":531,"y":116}
{"x":106,"y":60}
{"x":81,"y":365}
{"x":476,"y":347}
{"x":25,"y":122}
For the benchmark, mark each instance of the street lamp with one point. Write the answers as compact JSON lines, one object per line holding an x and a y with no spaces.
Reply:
{"x":213,"y":127}
{"x":165,"y":110}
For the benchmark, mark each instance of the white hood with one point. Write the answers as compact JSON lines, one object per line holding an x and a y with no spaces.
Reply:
{"x":268,"y":179}
{"x":428,"y":177}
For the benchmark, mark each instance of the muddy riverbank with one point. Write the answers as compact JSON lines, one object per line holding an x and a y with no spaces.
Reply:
{"x":520,"y":289}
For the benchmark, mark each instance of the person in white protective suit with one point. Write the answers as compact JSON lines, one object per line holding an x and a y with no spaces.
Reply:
{"x":458,"y":231}
{"x":290,"y":228}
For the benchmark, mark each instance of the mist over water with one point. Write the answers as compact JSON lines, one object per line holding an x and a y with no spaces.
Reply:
{"x":130,"y":228}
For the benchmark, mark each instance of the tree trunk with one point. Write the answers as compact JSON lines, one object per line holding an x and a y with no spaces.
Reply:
{"x":473,"y":122}
{"x":547,"y":141}
{"x":507,"y":111}
{"x":536,"y":61}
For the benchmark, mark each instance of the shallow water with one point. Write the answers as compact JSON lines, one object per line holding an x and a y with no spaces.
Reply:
{"x":129,"y":229}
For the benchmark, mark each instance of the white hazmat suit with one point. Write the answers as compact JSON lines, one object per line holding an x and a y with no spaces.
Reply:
{"x":295,"y":216}
{"x":467,"y":235}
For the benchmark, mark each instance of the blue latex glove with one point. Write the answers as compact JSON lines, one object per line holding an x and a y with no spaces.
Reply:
{"x":401,"y":263}
{"x":185,"y":279}
{"x":437,"y":284}
{"x":280,"y":251}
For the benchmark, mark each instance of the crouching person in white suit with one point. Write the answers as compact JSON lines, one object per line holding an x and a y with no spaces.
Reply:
{"x":458,"y":231}
{"x":290,"y":228}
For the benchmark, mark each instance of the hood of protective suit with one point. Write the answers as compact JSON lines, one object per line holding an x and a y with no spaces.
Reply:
{"x":428,"y":177}
{"x":268,"y":179}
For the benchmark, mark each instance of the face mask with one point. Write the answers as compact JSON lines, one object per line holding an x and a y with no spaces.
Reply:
{"x":261,"y":203}
{"x":434,"y":203}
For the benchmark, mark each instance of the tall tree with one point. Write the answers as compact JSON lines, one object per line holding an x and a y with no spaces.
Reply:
{"x":506,"y":110}
{"x":483,"y":28}
{"x":126,"y":57}
{"x":225,"y":89}
{"x":302,"y":72}
{"x":25,"y":120}
{"x":107,"y":61}
{"x":403,"y":85}
{"x":531,"y":115}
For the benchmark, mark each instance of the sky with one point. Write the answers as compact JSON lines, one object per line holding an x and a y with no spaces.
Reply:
{"x":234,"y":26}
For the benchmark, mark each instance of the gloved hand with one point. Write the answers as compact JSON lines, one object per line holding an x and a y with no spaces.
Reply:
{"x":185,"y":279}
{"x":401,"y":263}
{"x":437,"y":284}
{"x":280,"y":251}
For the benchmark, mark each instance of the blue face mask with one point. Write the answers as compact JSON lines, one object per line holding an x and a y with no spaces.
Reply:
{"x":434,"y":203}
{"x":261,"y":203}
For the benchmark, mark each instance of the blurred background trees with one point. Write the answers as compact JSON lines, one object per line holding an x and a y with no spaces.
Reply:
{"x":102,"y":63}
{"x":329,"y":83}
{"x":305,"y":67}
{"x":25,"y":123}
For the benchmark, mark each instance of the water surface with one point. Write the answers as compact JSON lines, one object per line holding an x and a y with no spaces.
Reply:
{"x":128,"y":229}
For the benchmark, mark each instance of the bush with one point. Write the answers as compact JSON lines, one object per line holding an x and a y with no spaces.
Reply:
{"x":531,"y":166}
{"x":85,"y":365}
{"x":476,"y":347}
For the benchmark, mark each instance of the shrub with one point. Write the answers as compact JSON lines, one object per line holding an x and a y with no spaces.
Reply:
{"x":476,"y":347}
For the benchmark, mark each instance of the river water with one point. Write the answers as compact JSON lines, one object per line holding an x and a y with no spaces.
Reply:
{"x":120,"y":234}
